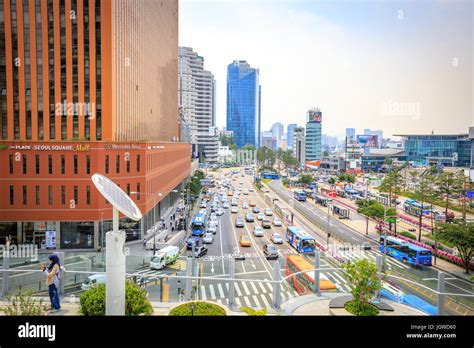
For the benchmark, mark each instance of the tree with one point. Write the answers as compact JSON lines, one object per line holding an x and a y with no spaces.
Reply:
{"x":460,"y":234}
{"x":288,"y":159}
{"x":423,"y":193}
{"x":325,"y":153}
{"x":266,"y":157}
{"x":332,"y":181}
{"x":372,"y":209}
{"x":448,"y":184}
{"x":363,"y":282}
{"x":305,"y":179}
{"x":392,"y":185}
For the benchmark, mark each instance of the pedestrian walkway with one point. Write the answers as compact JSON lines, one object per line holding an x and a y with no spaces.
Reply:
{"x":256,"y":294}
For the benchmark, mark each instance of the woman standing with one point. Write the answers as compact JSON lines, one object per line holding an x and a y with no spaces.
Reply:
{"x":52,"y":280}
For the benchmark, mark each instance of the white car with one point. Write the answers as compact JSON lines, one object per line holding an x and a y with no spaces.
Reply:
{"x":251,"y":190}
{"x":203,"y":211}
{"x":258,"y":231}
{"x":277,"y":222}
{"x":245,"y":205}
{"x":208,"y":238}
{"x":260,"y":216}
{"x":234,"y":210}
{"x":220,"y":212}
{"x":246,"y":192}
{"x":212,"y":229}
{"x":276,"y":238}
{"x":268,"y":212}
{"x":203,"y":204}
{"x":225,"y":205}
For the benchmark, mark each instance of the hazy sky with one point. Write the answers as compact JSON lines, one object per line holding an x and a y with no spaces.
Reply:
{"x":399,"y":66}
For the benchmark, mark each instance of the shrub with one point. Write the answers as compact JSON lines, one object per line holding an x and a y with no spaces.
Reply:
{"x":93,"y":301}
{"x":200,"y":309}
{"x":407,"y":234}
{"x":23,"y":303}
{"x":361,"y":308}
{"x":254,"y":312}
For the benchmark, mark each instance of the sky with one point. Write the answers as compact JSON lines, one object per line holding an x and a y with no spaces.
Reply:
{"x":403,"y":67}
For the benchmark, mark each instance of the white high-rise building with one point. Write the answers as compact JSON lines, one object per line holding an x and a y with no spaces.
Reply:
{"x":299,"y":146}
{"x":196,"y":95}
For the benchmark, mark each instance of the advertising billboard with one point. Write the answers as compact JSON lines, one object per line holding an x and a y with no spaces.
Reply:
{"x":367,"y":140}
{"x":315,"y":116}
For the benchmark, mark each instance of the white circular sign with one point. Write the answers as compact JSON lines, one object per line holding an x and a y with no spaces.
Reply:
{"x":116,"y":196}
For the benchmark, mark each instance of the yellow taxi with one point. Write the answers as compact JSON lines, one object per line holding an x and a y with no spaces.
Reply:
{"x":245,"y":241}
{"x":230,"y":193}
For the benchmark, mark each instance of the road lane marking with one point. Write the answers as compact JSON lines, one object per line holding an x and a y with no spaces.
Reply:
{"x":255,"y":290}
{"x":203,"y":293}
{"x":336,"y":275}
{"x":239,"y":303}
{"x":221,"y":292}
{"x":237,"y":288}
{"x":264,"y":300}
{"x":261,"y":287}
{"x":211,"y":289}
{"x":246,"y":289}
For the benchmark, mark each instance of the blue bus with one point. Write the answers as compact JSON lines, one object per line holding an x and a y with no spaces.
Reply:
{"x":415,"y":208}
{"x":300,"y":195}
{"x":198,"y":225}
{"x":406,"y":251}
{"x":269,"y":175}
{"x":300,"y":240}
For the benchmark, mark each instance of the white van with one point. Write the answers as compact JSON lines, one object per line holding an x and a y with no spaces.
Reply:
{"x":164,"y":257}
{"x":92,"y":280}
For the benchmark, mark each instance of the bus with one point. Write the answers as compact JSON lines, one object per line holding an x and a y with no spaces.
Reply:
{"x":248,"y":170}
{"x":198,"y":225}
{"x":269,"y":175}
{"x":406,"y":251}
{"x":303,"y":279}
{"x":412,"y":207}
{"x":322,"y":200}
{"x":300,"y":240}
{"x":300,"y":195}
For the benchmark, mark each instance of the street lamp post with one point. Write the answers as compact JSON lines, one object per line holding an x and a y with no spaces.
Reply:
{"x":327,"y":225}
{"x":154,"y":204}
{"x":385,"y":217}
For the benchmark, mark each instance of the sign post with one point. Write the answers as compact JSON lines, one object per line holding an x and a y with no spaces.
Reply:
{"x":114,"y":253}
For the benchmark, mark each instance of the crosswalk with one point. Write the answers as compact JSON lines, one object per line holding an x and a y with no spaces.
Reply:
{"x":256,"y":294}
{"x":371,"y":255}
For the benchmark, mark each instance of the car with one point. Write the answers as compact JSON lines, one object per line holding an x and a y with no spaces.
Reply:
{"x":245,"y":241}
{"x":225,"y":205}
{"x":246,"y":192}
{"x":230,"y":193}
{"x":220,"y":212}
{"x":260,"y":216}
{"x":212,"y":229}
{"x":203,"y":204}
{"x":200,"y":251}
{"x":213,"y":216}
{"x":202,"y":211}
{"x":214,"y":208}
{"x":234,"y":203}
{"x":189,"y":241}
{"x":208,"y":238}
{"x":239,"y":222}
{"x":268,"y":212}
{"x":234,"y":210}
{"x":93,"y":280}
{"x":245,"y":205}
{"x":223,"y":199}
{"x":241,"y":183}
{"x":249,"y":217}
{"x":258,"y":231}
{"x":266,"y":223}
{"x":256,"y":210}
{"x":276,"y":238}
{"x":251,"y":189}
{"x":270,"y":251}
{"x":277,"y":222}
{"x":252,"y":204}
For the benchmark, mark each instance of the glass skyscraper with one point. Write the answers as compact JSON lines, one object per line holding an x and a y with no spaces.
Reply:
{"x":313,"y":135}
{"x":243,"y":99}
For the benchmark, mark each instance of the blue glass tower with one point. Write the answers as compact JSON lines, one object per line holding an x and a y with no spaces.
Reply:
{"x":243,"y":99}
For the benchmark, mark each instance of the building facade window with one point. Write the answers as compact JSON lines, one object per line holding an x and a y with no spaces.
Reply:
{"x":106,"y":164}
{"x":76,"y":195}
{"x":88,"y":164}
{"x":50,"y":164}
{"x":88,"y":195}
{"x":63,"y":164}
{"x":63,"y":194}
{"x":23,"y":158}
{"x":11,"y":164}
{"x":128,"y":189}
{"x":76,"y":164}
{"x":25,"y":195}
{"x":37,"y":164}
{"x":50,"y":195}
{"x":138,"y":163}
{"x":138,"y":191}
{"x":12,"y":195}
{"x":117,"y":164}
{"x":128,"y":166}
{"x":38,"y":195}
{"x":75,"y":235}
